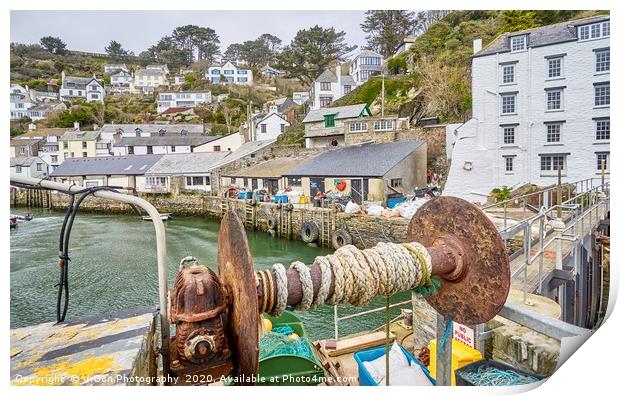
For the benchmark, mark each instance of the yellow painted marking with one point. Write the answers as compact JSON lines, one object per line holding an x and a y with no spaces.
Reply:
{"x":71,"y":372}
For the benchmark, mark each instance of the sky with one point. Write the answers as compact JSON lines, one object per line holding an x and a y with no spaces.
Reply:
{"x":137,"y":30}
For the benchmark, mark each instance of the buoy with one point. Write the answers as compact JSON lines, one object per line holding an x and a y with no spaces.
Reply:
{"x":341,"y":186}
{"x":267,"y":324}
{"x":293,"y":336}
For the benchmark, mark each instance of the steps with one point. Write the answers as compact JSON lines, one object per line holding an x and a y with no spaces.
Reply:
{"x":249,"y":218}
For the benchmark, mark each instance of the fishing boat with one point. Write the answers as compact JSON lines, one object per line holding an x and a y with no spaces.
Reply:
{"x":19,"y":217}
{"x":13,"y":222}
{"x":163,"y":216}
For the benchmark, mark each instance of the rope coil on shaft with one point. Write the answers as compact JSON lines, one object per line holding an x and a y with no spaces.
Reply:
{"x":359,"y":275}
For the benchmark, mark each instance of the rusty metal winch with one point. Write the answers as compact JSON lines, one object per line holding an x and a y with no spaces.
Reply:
{"x":216,"y":317}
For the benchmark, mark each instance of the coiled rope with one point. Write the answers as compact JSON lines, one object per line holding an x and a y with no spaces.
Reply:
{"x":359,"y":275}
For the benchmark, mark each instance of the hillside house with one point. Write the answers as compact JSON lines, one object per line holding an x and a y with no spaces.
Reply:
{"x":326,"y":127}
{"x":145,"y":81}
{"x":269,"y":126}
{"x":405,"y":44}
{"x":26,"y":147}
{"x":370,"y":171}
{"x":364,"y":64}
{"x":228,"y":73}
{"x":183,"y":99}
{"x":20,"y":101}
{"x":329,"y":87}
{"x":161,"y":68}
{"x":42,"y":110}
{"x":82,"y":144}
{"x":270,"y":72}
{"x":160,"y":144}
{"x":120,"y":82}
{"x":88,"y":88}
{"x":111,"y":68}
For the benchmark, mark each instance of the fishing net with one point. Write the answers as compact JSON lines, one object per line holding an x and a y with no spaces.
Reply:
{"x":491,"y":376}
{"x":277,"y":343}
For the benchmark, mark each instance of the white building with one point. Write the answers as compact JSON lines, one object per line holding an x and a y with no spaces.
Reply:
{"x":271,"y":125}
{"x":301,"y":97}
{"x":183,"y":99}
{"x":160,"y":144}
{"x":541,"y":103}
{"x":193,"y":170}
{"x":121,"y":82}
{"x":329,"y":87}
{"x":109,"y":68}
{"x":20,"y":102}
{"x":230,"y":74}
{"x":29,"y":167}
{"x":178,"y":80}
{"x":366,"y":63}
{"x":40,"y":111}
{"x":224,"y":143}
{"x":145,"y":81}
{"x":405,"y":44}
{"x":161,"y":68}
{"x":88,"y":88}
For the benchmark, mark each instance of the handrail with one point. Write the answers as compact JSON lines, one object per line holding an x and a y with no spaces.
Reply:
{"x":160,"y":238}
{"x":337,"y":319}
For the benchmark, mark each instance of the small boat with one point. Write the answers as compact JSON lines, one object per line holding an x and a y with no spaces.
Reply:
{"x":19,"y":217}
{"x":13,"y":222}
{"x":163,"y":216}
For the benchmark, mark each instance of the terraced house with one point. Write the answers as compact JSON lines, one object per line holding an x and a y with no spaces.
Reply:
{"x":541,"y":106}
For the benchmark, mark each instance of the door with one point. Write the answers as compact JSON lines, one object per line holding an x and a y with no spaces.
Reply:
{"x":356,"y":191}
{"x":316,"y":184}
{"x":254,"y":184}
{"x":271,"y":185}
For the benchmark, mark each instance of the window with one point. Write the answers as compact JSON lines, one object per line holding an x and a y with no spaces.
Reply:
{"x":183,"y":132}
{"x":282,"y":126}
{"x":229,"y":72}
{"x":508,"y":164}
{"x":130,"y":150}
{"x":149,"y":149}
{"x":173,"y":149}
{"x":294,"y":181}
{"x":263,"y":128}
{"x":22,"y":150}
{"x":605,"y":29}
{"x":92,"y":183}
{"x":384,"y":125}
{"x":325,"y":101}
{"x":509,"y":135}
{"x":517,"y":43}
{"x":70,"y":92}
{"x":509,"y":104}
{"x":72,"y":154}
{"x":242,"y":72}
{"x":54,"y":158}
{"x":79,"y":93}
{"x":329,"y":121}
{"x":600,"y":157}
{"x":554,"y":132}
{"x":242,"y":79}
{"x":84,"y":145}
{"x":554,"y":68}
{"x":94,"y":96}
{"x":601,"y":94}
{"x":162,"y":132}
{"x":358,"y":126}
{"x":584,"y":32}
{"x":217,"y":148}
{"x":603,"y":129}
{"x":197,"y":181}
{"x":396,"y":182}
{"x":602,"y":61}
{"x":552,"y":162}
{"x":347,"y":89}
{"x":594,"y":31}
{"x":326,"y":86}
{"x":18,"y":169}
{"x":84,"y":154}
{"x":554,"y":99}
{"x":508,"y":74}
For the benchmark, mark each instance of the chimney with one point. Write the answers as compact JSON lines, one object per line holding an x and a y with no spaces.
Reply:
{"x":339,"y":73}
{"x":273,"y":109}
{"x":32,"y":126}
{"x":62,"y":76}
{"x":76,"y":126}
{"x":477,"y":45}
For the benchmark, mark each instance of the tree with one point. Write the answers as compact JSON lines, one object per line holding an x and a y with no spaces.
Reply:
{"x":272,"y":42}
{"x":256,"y":52}
{"x":311,"y":51}
{"x":234,"y":52}
{"x":425,"y":19}
{"x":115,"y":49}
{"x":387,"y":28}
{"x":54,"y":45}
{"x":195,"y":40}
{"x":228,"y":111}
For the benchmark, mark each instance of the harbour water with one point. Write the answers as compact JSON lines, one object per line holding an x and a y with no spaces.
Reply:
{"x":114,"y":267}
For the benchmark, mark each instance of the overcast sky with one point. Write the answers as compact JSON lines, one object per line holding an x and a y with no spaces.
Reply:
{"x":137,"y":30}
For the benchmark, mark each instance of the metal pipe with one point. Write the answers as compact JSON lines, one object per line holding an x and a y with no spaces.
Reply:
{"x":160,"y":237}
{"x":545,"y":325}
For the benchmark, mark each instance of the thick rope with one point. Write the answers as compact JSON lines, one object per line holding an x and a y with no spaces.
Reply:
{"x":306,"y":285}
{"x":282,"y":284}
{"x":359,"y":275}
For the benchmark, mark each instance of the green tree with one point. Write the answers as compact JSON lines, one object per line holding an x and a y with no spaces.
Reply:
{"x":54,"y":45}
{"x":311,"y":51}
{"x":197,"y":43}
{"x":515,"y":20}
{"x":387,"y":28}
{"x":115,"y":49}
{"x":234,"y":52}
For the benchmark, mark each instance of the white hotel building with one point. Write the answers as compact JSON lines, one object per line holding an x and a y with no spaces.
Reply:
{"x":541,"y":101}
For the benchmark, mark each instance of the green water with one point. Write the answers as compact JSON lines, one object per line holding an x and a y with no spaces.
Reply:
{"x":114,"y":267}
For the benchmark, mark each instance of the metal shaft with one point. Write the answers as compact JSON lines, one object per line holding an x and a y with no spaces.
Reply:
{"x":447,"y":256}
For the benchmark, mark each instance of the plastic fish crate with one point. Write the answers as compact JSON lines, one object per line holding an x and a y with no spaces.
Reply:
{"x":367,"y":355}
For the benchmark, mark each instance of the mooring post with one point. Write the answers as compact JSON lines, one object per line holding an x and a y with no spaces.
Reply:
{"x":443,"y":355}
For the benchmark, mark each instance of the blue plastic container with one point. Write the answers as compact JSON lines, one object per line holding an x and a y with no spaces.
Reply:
{"x":244,"y":195}
{"x":281,"y":199}
{"x":391,"y":203}
{"x":365,"y":379}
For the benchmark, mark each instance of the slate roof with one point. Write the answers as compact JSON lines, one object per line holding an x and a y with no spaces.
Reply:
{"x":327,"y":76}
{"x":174,"y":140}
{"x":150,"y":72}
{"x":186,"y":163}
{"x":246,"y":149}
{"x":367,"y":52}
{"x":154,"y":128}
{"x":113,"y":165}
{"x":83,"y":136}
{"x":541,"y":36}
{"x":23,"y":161}
{"x":365,"y":160}
{"x":347,"y":80}
{"x":351,"y":111}
{"x":273,"y":168}
{"x":44,"y":132}
{"x":25,"y":142}
{"x":79,"y":82}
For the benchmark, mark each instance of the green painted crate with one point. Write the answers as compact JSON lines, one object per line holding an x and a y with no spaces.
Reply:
{"x":290,"y":369}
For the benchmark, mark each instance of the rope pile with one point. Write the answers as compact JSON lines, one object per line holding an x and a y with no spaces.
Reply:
{"x":491,"y":376}
{"x":359,"y":275}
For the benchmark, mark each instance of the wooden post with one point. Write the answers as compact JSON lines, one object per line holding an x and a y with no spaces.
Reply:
{"x":443,"y":354}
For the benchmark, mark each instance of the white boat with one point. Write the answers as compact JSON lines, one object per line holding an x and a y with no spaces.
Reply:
{"x":163,"y":216}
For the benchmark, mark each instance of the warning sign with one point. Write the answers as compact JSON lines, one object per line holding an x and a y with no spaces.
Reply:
{"x":463,"y":334}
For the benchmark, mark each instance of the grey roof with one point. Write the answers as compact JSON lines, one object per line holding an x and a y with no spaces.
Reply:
{"x":263,"y":117}
{"x":246,"y":149}
{"x":80,"y":136}
{"x":113,"y":165}
{"x":173,"y":140}
{"x":365,"y":160}
{"x":351,"y":111}
{"x":23,"y":161}
{"x":327,"y":76}
{"x":323,"y":132}
{"x":186,"y":163}
{"x":150,"y":72}
{"x":541,"y":36}
{"x":80,"y":82}
{"x":347,"y":80}
{"x":273,"y":168}
{"x":154,"y":128}
{"x":367,"y":52}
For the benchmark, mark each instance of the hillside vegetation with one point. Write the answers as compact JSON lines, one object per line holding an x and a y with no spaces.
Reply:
{"x":435,"y":72}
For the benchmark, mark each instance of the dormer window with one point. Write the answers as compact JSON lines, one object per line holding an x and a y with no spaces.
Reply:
{"x":183,"y":132}
{"x":162,"y":132}
{"x":594,"y":31}
{"x":138,"y":132}
{"x":518,"y":43}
